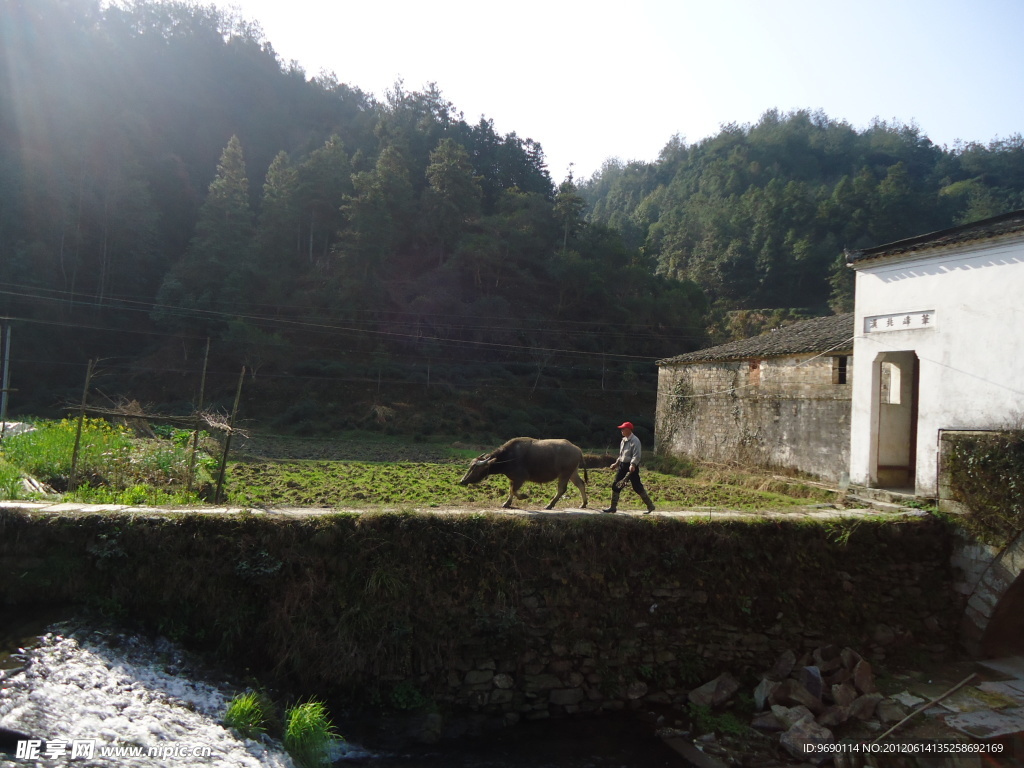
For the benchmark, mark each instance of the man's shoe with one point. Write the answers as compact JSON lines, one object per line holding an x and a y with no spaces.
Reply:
{"x":649,"y":511}
{"x":609,"y":511}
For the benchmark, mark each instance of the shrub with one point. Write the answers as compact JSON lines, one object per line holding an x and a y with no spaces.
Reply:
{"x":405,"y":696}
{"x":987,"y":476}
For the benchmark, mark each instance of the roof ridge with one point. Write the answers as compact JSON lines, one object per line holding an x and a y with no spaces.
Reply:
{"x":1008,"y":223}
{"x":815,"y":334}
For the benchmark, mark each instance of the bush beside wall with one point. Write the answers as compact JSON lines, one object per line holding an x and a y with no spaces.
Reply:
{"x":984,"y":472}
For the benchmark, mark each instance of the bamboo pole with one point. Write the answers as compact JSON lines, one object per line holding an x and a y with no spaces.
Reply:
{"x":227,"y":440}
{"x":73,"y":475}
{"x":934,"y":701}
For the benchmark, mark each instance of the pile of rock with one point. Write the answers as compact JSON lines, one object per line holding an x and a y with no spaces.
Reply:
{"x":806,"y":698}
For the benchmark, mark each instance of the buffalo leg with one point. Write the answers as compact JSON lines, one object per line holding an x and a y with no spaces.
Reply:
{"x":513,"y":493}
{"x":578,"y":482}
{"x":563,"y":483}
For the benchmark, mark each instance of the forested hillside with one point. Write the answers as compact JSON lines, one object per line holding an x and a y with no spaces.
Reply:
{"x":759,"y":215}
{"x":166,"y":181}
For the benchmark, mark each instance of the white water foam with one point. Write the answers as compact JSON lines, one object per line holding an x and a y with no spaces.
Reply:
{"x":126,"y":690}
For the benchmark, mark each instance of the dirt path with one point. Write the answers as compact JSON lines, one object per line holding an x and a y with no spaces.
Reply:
{"x":818,"y":511}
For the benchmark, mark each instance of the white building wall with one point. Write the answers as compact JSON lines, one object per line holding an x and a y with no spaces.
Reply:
{"x":964,"y":313}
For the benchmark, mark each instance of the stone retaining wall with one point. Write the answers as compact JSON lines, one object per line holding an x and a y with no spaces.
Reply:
{"x":505,"y":616}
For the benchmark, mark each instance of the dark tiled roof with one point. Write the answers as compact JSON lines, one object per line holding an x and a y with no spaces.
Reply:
{"x":1006,"y":224}
{"x":819,"y":334}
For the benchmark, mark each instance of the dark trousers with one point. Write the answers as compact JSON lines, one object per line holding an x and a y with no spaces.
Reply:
{"x":634,"y":480}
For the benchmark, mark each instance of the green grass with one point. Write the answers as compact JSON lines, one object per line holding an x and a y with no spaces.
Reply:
{"x":308,"y":734}
{"x":47,"y":451}
{"x":704,"y":720}
{"x":136,"y":495}
{"x":113,"y":466}
{"x":10,"y":481}
{"x":247,"y":714}
{"x":117,"y":468}
{"x":359,"y":484}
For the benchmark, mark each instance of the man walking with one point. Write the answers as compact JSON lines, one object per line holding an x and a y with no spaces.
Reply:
{"x":628,"y":466}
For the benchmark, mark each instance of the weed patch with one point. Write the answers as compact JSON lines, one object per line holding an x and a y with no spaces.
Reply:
{"x":308,"y":734}
{"x":248,"y":714}
{"x":113,"y":466}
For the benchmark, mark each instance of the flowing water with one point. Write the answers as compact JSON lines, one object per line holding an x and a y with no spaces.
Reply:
{"x":117,"y":698}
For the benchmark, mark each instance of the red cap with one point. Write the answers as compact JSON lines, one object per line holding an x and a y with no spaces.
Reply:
{"x":626,"y":425}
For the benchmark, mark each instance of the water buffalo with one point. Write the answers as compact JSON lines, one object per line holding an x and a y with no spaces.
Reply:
{"x":539,"y":461}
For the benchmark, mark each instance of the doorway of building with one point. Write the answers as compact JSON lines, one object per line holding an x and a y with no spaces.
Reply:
{"x":896,"y":420}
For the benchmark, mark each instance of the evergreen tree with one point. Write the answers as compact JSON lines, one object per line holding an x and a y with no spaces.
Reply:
{"x":278,"y":238}
{"x":377,"y":216}
{"x":279,"y":233}
{"x":218,"y":271}
{"x":325,"y":179}
{"x":568,"y":209}
{"x":452,"y":198}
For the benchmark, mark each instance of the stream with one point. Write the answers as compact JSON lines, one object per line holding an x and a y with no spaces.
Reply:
{"x":94,"y":696}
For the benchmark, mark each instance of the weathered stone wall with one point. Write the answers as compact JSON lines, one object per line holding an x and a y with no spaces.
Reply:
{"x":989,"y":571}
{"x":782,"y":413}
{"x":506,"y":616}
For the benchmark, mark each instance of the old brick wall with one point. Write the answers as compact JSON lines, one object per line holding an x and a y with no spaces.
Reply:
{"x":776,"y":413}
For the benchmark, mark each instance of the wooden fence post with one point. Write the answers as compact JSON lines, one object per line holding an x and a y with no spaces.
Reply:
{"x":5,"y":382}
{"x":73,"y":475}
{"x":199,"y":414}
{"x":227,"y":440}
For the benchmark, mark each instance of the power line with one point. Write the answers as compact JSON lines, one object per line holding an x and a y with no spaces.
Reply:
{"x":362,"y":332}
{"x":125,"y":304}
{"x":328,"y":328}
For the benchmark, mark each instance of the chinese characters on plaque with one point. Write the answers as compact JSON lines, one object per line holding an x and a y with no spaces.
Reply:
{"x":903,"y":321}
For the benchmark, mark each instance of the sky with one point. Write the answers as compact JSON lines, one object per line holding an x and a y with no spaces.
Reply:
{"x":592,"y":81}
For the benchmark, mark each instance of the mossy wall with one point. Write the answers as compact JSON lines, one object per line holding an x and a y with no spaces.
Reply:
{"x":983,"y":473}
{"x":511,"y":615}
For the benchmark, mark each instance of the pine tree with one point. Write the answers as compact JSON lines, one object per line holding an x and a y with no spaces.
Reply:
{"x":453,"y":196}
{"x":218,"y":270}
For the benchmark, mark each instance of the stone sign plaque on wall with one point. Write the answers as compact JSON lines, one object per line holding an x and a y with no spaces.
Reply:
{"x":901,"y":321}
